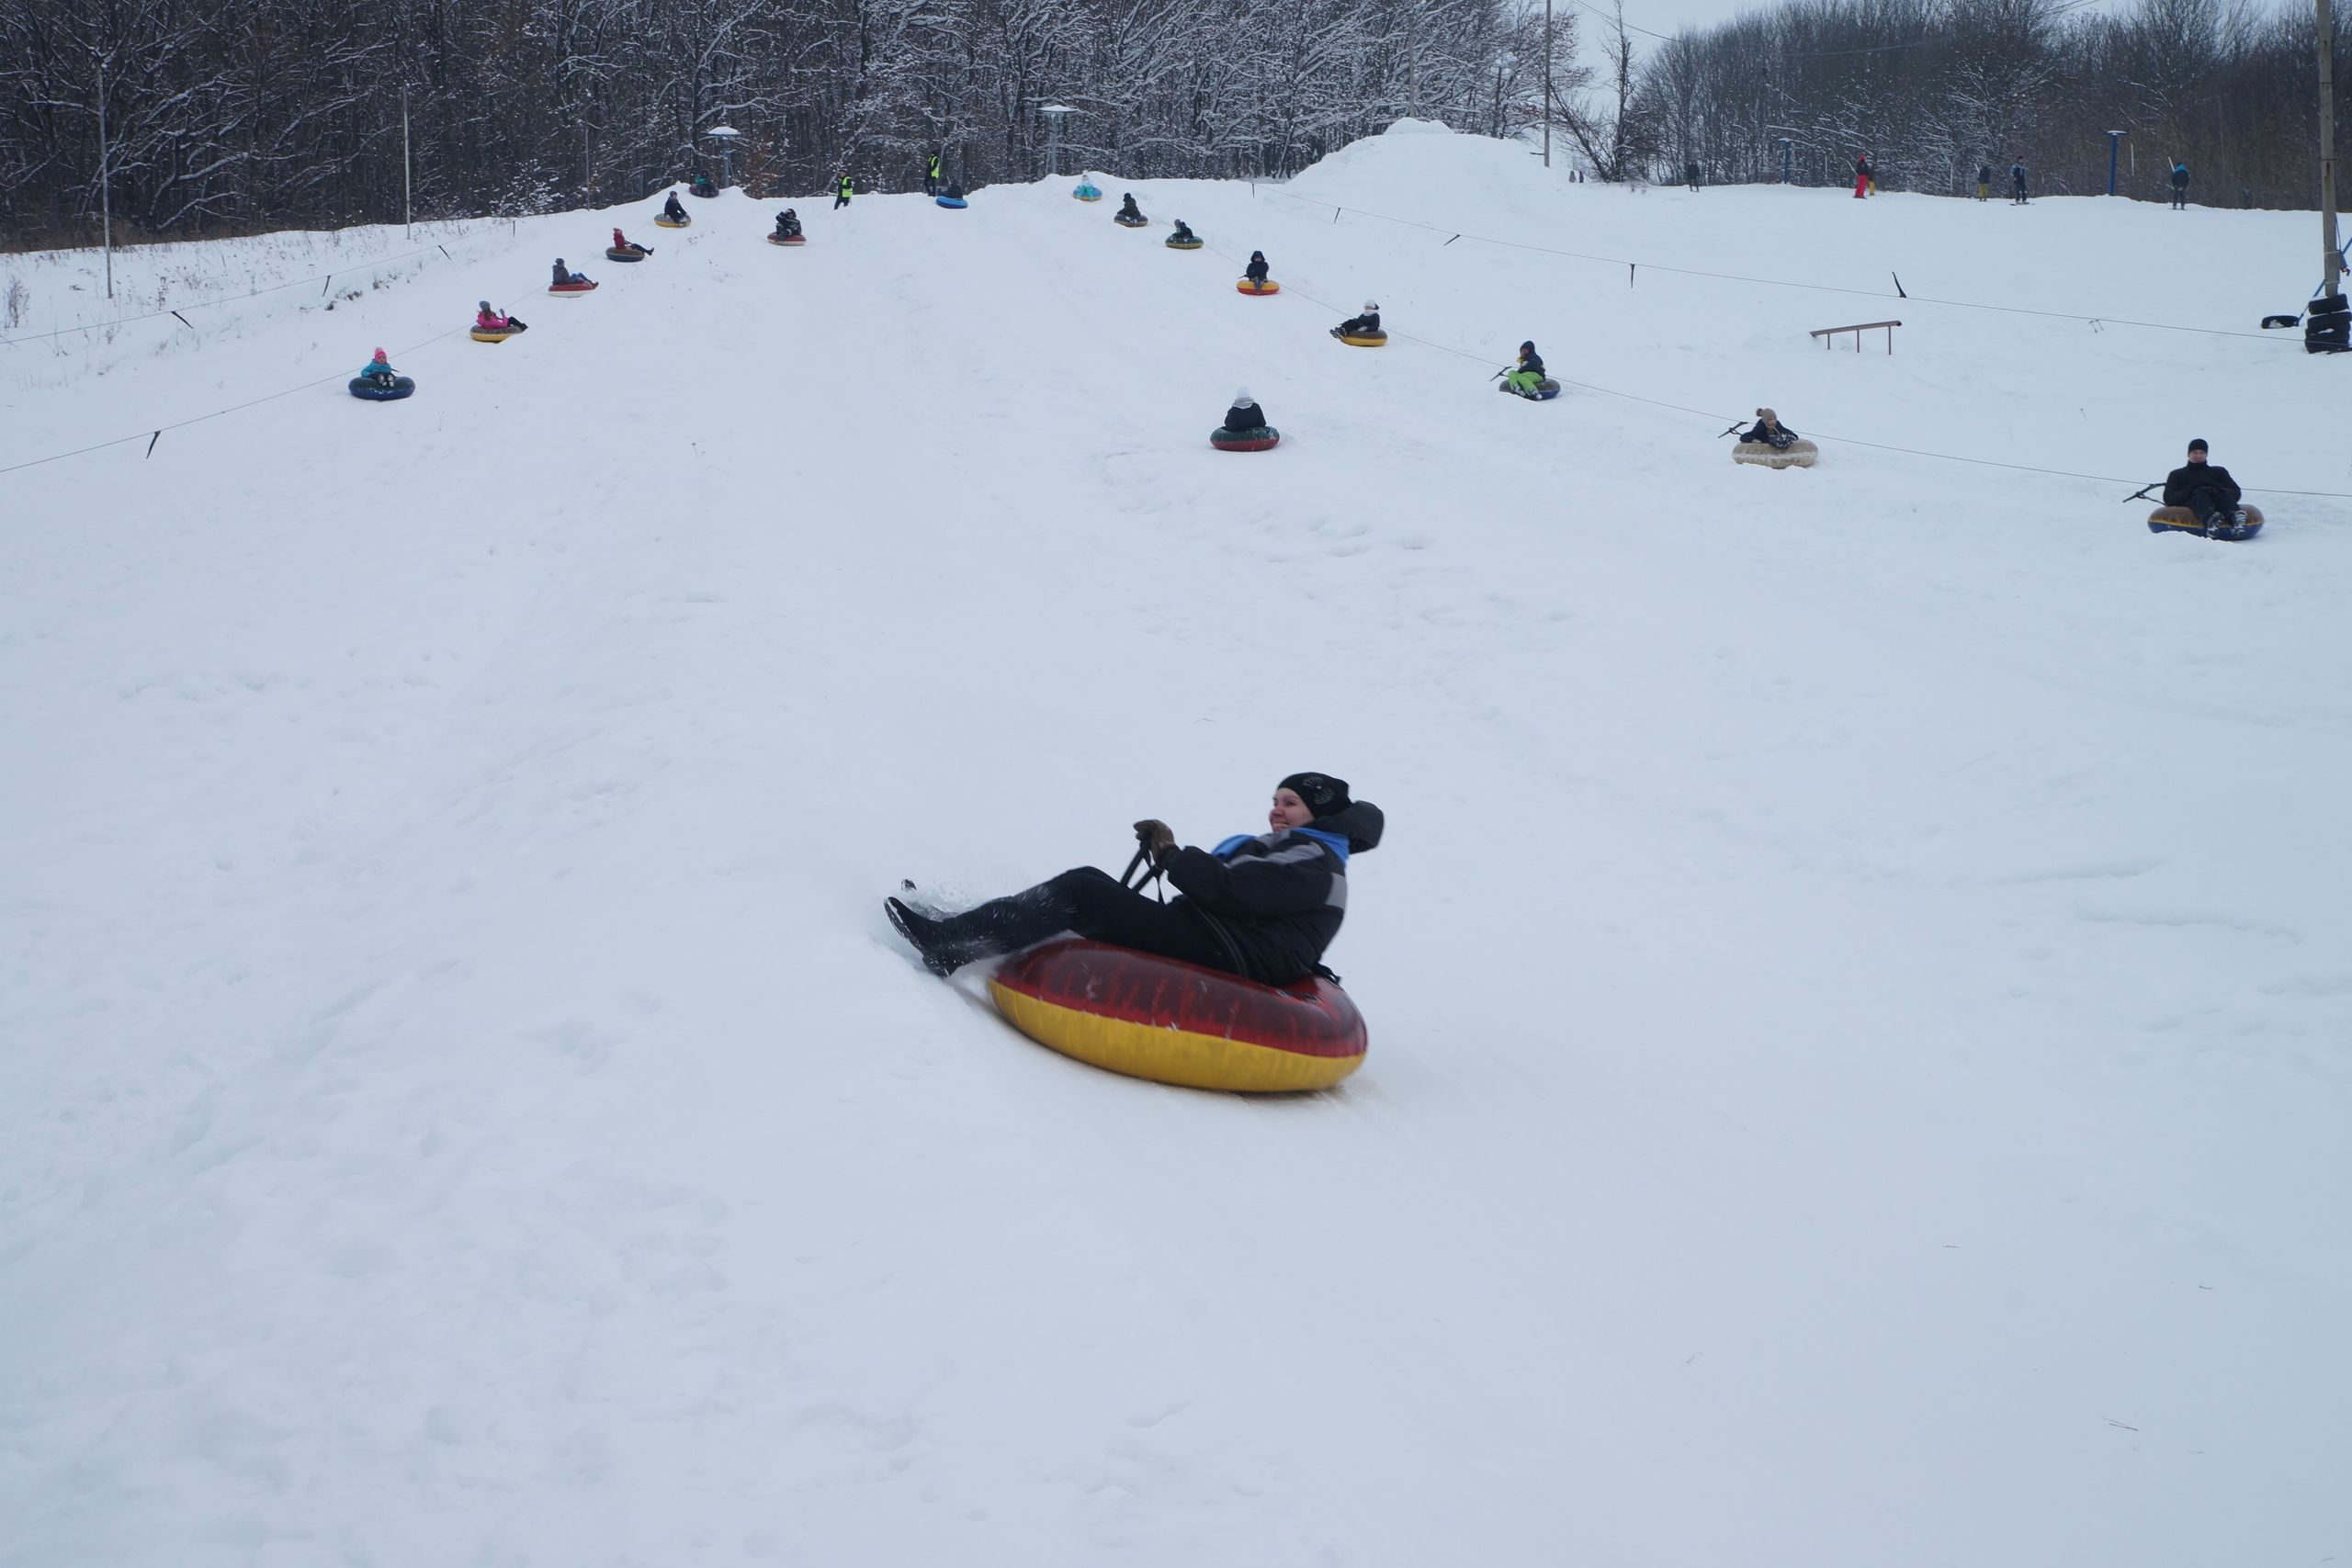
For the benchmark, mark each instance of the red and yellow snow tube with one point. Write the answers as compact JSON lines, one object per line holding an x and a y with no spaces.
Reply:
{"x":1269,"y":287}
{"x":1174,"y":1022}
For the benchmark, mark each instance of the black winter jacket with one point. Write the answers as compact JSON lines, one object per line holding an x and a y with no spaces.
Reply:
{"x":1778,"y":439}
{"x":1244,"y":416}
{"x":1365,"y":325}
{"x":1276,"y":901}
{"x":2186,"y":480}
{"x":1257,"y":269}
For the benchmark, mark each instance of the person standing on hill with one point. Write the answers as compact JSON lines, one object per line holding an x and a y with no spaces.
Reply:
{"x":2179,"y":186}
{"x":2017,"y":183}
{"x":1984,"y":181}
{"x":1690,"y":172}
{"x":931,"y":175}
{"x":842,"y":191}
{"x":1864,"y":176}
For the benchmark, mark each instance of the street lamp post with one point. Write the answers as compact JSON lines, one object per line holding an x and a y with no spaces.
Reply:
{"x":725,"y":136}
{"x":2114,"y":140}
{"x":1054,"y":113}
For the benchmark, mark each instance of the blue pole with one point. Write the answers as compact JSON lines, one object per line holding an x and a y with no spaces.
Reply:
{"x":1784,"y":160}
{"x":2113,"y":138}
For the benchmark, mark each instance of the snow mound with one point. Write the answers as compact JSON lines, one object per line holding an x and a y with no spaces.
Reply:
{"x":1856,"y":974}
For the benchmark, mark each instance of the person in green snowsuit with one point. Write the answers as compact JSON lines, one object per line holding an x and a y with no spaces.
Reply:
{"x":1530,"y":373}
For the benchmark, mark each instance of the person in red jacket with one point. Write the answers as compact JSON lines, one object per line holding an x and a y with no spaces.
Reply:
{"x":620,"y":243}
{"x":1863,"y":174}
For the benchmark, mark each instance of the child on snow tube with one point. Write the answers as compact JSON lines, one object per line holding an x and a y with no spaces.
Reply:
{"x":620,"y":243}
{"x":1183,"y":235}
{"x":489,"y":321}
{"x":1263,"y":909}
{"x":1768,"y":430}
{"x":673,"y":209}
{"x":705,"y":185}
{"x":1129,"y":212}
{"x":1245,"y":415}
{"x":1257,"y":270}
{"x":1529,"y":373}
{"x":379,"y":372}
{"x":564,"y":274}
{"x":1365,"y":325}
{"x":788,"y":225}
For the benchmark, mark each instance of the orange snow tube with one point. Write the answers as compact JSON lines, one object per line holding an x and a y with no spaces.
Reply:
{"x":1174,"y":1022}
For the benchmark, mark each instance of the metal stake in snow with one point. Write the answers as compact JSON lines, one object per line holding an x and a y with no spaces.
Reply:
{"x":2332,"y":262}
{"x":408,"y":201}
{"x":105,"y":178}
{"x":1054,"y":113}
{"x":2114,"y":140}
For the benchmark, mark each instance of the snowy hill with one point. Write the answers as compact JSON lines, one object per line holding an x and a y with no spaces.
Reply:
{"x":1858,"y":973}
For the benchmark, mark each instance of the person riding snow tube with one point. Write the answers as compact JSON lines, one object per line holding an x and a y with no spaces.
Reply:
{"x":1773,"y":445}
{"x":704,"y":185}
{"x":622,"y":250}
{"x":1252,"y":914}
{"x":1129,"y":213}
{"x":568,"y":282}
{"x":1364,"y":331}
{"x":673,"y":214}
{"x":490,"y":326}
{"x":1087,"y":191}
{"x":378,"y":382}
{"x":2201,"y":498}
{"x":1245,"y":428}
{"x":1184,"y":239}
{"x":953,"y":196}
{"x":787,"y":229}
{"x":1527,"y":379}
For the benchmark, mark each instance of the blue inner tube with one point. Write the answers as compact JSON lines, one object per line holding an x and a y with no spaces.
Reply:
{"x":367,"y":387}
{"x":951,"y":201}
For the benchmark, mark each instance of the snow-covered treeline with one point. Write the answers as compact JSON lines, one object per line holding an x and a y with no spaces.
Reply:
{"x":289,"y":111}
{"x":1936,"y":88}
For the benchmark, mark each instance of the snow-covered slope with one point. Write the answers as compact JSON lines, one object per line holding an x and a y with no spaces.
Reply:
{"x":1858,"y":973}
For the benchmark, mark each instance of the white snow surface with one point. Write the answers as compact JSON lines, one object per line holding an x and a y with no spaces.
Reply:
{"x":1858,"y":975}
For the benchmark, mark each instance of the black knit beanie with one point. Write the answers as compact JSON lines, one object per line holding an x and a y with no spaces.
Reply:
{"x":1323,"y":793}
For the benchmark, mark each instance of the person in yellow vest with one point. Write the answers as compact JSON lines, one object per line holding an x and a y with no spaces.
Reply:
{"x":931,"y":175}
{"x":842,"y":191}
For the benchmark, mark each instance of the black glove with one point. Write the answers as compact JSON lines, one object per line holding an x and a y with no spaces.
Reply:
{"x":1156,"y":840}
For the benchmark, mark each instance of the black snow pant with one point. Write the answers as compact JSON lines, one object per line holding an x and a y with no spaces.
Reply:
{"x":2016,"y":193}
{"x":1091,"y":903}
{"x":2212,"y":511}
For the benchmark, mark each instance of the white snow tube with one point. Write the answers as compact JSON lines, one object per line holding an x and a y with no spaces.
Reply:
{"x":1798,"y":454}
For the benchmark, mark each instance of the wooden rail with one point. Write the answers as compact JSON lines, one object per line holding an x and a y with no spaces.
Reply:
{"x":1827,"y":333}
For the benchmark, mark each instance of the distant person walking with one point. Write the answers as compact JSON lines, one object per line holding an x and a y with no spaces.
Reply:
{"x":2179,"y":186}
{"x":1865,"y":176}
{"x":1690,"y":172}
{"x":931,"y":175}
{"x":842,"y":191}
{"x":2017,"y":183}
{"x":1984,"y":181}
